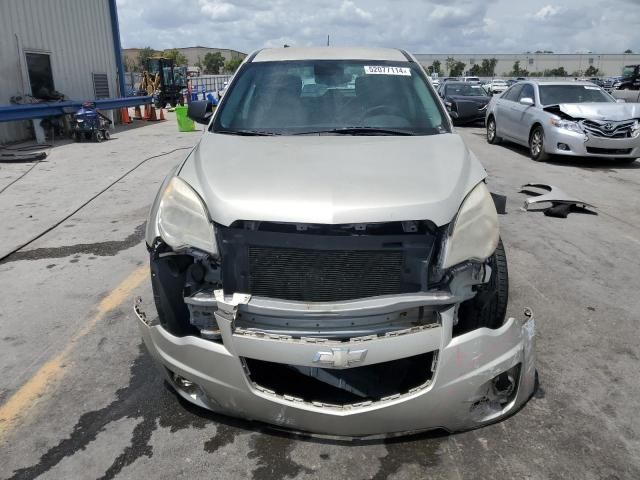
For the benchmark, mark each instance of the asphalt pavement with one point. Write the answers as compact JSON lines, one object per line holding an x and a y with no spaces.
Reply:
{"x":80,"y":397}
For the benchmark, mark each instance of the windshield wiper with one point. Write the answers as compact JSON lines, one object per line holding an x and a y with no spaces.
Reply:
{"x":247,"y":133}
{"x":359,"y":131}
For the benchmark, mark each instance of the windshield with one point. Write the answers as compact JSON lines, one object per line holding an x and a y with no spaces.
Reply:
{"x":464,"y":90}
{"x":554,"y":94}
{"x":326,"y":96}
{"x":628,"y":71}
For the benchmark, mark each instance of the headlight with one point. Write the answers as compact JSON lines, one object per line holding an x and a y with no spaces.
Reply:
{"x":635,"y":129}
{"x":183,"y":220}
{"x":475,"y":231}
{"x":566,"y":124}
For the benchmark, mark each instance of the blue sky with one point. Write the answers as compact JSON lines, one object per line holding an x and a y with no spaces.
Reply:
{"x":420,"y":26}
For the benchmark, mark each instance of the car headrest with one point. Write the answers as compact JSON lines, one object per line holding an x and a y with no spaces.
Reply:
{"x":290,"y":85}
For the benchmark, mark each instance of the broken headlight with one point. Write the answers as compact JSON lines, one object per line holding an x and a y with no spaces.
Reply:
{"x":567,"y":125}
{"x":475,"y":230}
{"x":183,"y":220}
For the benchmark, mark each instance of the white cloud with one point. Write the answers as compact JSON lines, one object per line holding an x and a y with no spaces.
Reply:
{"x":546,"y":12}
{"x":419,"y":26}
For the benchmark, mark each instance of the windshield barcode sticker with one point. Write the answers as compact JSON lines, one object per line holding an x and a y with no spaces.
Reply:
{"x":386,"y":70}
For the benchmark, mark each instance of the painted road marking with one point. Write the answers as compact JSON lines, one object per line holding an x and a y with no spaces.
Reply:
{"x":27,"y":396}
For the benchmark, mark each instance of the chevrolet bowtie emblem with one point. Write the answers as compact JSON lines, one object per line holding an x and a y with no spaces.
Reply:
{"x":340,"y":357}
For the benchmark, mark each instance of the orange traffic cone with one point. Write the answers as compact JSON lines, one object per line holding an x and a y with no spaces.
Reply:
{"x":137,"y":114}
{"x":124,"y":115}
{"x":152,"y":114}
{"x":162,"y":114}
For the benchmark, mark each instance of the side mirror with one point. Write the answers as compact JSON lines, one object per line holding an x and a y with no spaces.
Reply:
{"x":200,"y":111}
{"x":453,"y":115}
{"x":528,"y":101}
{"x":620,"y":100}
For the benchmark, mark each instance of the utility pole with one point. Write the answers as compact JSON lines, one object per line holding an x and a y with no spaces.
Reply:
{"x":328,"y":43}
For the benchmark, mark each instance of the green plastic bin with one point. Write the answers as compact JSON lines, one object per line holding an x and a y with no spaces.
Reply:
{"x":185,"y":124}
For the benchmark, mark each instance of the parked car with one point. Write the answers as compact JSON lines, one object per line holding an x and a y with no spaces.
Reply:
{"x":331,"y":263}
{"x":471,"y":79}
{"x":612,"y":83}
{"x":630,"y":79}
{"x":497,"y":85}
{"x":465,"y":102}
{"x":565,"y":118}
{"x":596,"y":81}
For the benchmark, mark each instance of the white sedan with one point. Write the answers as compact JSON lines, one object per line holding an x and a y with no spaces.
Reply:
{"x":497,"y":86}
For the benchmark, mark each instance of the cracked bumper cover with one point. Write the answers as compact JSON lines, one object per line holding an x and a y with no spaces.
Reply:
{"x":452,"y":400}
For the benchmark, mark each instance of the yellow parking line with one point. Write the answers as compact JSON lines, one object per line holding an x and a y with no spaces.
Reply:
{"x":27,"y":396}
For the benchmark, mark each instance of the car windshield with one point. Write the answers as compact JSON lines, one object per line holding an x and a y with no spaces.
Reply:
{"x":465,"y":90}
{"x":349,"y":97}
{"x":628,"y":71}
{"x":554,"y":94}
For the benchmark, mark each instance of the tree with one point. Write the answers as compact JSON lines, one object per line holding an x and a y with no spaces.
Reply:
{"x":628,"y":50}
{"x":177,"y":57}
{"x":131,"y":65}
{"x":435,"y":67}
{"x":555,"y":72}
{"x":476,"y":70}
{"x":450,"y":63}
{"x":232,"y":65}
{"x":213,"y":63}
{"x":457,"y":69}
{"x":592,"y":71}
{"x":488,"y":67}
{"x":515,"y":70}
{"x":144,"y":55}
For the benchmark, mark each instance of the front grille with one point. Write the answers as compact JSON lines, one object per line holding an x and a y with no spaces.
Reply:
{"x":609,"y":151}
{"x":607,"y":129}
{"x":323,"y":275}
{"x":343,"y":386}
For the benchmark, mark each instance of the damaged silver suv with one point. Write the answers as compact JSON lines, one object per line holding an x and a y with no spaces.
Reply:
{"x":327,"y":258}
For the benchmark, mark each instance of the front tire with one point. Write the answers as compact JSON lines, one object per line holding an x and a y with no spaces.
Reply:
{"x":536,"y":145}
{"x":489,"y":307}
{"x":492,"y":136}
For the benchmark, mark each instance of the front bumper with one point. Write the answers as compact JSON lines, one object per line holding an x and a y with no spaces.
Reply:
{"x":585,"y":145}
{"x":457,"y":397}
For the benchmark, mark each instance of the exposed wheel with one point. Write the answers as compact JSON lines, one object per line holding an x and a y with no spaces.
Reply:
{"x":536,"y":145}
{"x":107,"y":135}
{"x":489,"y":307}
{"x":98,"y":136}
{"x":492,"y":136}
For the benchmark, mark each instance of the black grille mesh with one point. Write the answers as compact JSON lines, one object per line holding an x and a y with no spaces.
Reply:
{"x":323,"y":275}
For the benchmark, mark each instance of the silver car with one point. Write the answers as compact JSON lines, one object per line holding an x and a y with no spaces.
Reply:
{"x":327,"y":258}
{"x":575,"y":119}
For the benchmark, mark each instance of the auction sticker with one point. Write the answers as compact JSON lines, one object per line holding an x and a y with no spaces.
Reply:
{"x":386,"y":70}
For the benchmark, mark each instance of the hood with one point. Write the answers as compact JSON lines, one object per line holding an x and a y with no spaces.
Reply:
{"x":598,"y":111}
{"x":332,"y":179}
{"x":463,"y":98}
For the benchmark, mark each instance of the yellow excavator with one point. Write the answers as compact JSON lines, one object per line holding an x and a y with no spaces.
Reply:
{"x":164,"y":81}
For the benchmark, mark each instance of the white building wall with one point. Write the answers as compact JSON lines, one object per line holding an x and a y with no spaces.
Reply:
{"x":608,"y":64}
{"x":77,"y":35}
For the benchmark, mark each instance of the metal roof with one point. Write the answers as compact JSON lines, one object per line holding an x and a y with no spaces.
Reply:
{"x":329,"y":53}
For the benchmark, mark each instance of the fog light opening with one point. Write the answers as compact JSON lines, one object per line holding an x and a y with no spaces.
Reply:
{"x":564,"y":147}
{"x":505,"y":385}
{"x":186,"y":386}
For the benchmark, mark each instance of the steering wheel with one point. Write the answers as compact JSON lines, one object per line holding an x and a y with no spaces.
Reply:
{"x":380,"y":109}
